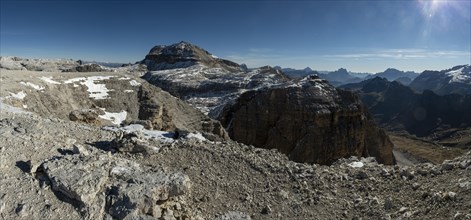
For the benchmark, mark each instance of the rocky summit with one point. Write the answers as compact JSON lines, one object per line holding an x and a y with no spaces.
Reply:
{"x":310,"y":121}
{"x":182,"y":55}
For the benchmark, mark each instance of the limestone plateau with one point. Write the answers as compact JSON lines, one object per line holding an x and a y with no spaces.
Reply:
{"x":183,"y":134}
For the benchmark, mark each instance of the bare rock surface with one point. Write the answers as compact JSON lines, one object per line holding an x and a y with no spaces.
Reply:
{"x":103,"y":185}
{"x":104,"y":98}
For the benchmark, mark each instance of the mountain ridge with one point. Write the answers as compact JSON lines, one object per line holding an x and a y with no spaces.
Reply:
{"x":454,"y":80}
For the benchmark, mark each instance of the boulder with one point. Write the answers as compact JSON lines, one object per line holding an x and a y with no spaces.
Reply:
{"x":102,"y":185}
{"x":133,"y":142}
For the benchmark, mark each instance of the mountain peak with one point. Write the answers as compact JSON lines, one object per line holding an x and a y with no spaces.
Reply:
{"x":182,"y":48}
{"x":182,"y":55}
{"x":391,"y":70}
{"x":464,"y":67}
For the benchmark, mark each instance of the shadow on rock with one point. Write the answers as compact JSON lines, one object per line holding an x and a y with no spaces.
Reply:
{"x":103,"y":145}
{"x":24,"y":166}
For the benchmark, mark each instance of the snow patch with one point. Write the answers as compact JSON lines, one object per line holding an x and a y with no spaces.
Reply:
{"x":34,"y":86}
{"x":75,"y":80}
{"x":115,"y":118}
{"x":128,"y":91}
{"x":457,"y":76}
{"x":8,"y":108}
{"x":356,"y":164}
{"x":197,"y":136}
{"x":95,"y":90}
{"x":48,"y":79}
{"x":134,"y":83}
{"x":20,"y":95}
{"x":162,"y":136}
{"x":119,"y":170}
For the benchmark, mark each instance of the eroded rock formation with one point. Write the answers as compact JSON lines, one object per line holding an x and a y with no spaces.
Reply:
{"x":310,"y":122}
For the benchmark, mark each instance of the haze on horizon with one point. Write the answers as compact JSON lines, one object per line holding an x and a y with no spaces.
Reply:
{"x":362,"y":36}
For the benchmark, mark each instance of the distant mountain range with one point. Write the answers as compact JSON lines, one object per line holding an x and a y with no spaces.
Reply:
{"x":449,"y":81}
{"x":399,"y":107}
{"x":343,"y":76}
{"x":392,"y":74}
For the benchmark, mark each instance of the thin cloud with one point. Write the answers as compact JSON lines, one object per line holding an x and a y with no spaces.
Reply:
{"x":402,"y":54}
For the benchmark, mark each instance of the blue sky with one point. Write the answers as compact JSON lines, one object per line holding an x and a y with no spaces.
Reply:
{"x":324,"y":35}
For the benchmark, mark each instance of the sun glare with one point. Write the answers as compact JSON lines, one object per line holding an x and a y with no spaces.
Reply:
{"x":431,"y":7}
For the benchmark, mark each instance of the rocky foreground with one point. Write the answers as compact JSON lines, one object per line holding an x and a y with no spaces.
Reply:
{"x":55,"y":169}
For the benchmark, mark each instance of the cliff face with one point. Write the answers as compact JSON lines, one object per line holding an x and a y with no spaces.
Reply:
{"x":310,"y":122}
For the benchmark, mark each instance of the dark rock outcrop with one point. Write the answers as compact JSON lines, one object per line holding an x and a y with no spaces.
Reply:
{"x":92,"y":67}
{"x":310,"y":122}
{"x":90,"y":116}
